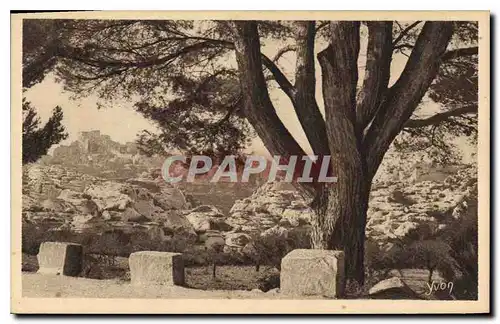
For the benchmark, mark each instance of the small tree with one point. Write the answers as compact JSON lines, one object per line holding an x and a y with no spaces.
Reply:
{"x":215,"y":246}
{"x":431,"y":255}
{"x":36,"y":140}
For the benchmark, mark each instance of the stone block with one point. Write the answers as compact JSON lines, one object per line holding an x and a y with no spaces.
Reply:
{"x":156,"y":268}
{"x":60,"y":258}
{"x":313,"y":273}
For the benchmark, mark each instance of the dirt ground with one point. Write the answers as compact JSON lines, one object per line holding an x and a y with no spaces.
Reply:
{"x":234,"y":277}
{"x":46,"y":286}
{"x":231,"y":282}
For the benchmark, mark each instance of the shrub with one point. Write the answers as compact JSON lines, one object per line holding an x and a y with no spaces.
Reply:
{"x":462,"y":237}
{"x":452,"y":251}
{"x":270,"y":249}
{"x":269,"y":280}
{"x":214,"y":245}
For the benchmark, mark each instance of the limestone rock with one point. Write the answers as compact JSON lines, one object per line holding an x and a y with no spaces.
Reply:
{"x":270,"y":204}
{"x":392,"y":288}
{"x":156,"y":268}
{"x":237,"y":240}
{"x":171,"y":198}
{"x":205,"y":218}
{"x":60,"y":258}
{"x":313,"y":273}
{"x":109,"y":196}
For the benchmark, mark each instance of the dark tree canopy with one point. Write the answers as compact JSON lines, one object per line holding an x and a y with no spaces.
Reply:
{"x":37,"y":140}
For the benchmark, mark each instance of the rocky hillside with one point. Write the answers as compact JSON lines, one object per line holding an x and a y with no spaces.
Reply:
{"x":396,"y":208}
{"x":59,"y":198}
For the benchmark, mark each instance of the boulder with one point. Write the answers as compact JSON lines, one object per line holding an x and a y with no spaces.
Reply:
{"x":60,"y":258}
{"x":205,"y":218}
{"x":313,"y":273}
{"x":171,"y":198}
{"x":237,"y":240}
{"x":392,"y":288}
{"x":175,"y":223}
{"x":156,"y":268}
{"x":298,"y":217}
{"x":131,"y":215}
{"x":109,"y":196}
{"x":214,"y":244}
{"x":200,"y":222}
{"x":147,"y":208}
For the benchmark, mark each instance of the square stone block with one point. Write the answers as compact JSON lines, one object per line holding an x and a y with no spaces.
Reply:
{"x":156,"y":268}
{"x":60,"y":258}
{"x":313,"y":273}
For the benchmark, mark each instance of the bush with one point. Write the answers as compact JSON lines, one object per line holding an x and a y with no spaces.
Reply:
{"x":462,"y":237}
{"x":270,"y":249}
{"x":451,"y":251}
{"x":269,"y":280}
{"x":201,"y":257}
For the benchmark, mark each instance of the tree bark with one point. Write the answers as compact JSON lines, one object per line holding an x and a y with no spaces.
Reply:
{"x":341,"y":210}
{"x":377,"y":71}
{"x":304,"y":101}
{"x":340,"y":221}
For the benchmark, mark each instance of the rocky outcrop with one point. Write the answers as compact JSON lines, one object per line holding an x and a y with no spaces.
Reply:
{"x":51,"y":200}
{"x":207,"y":218}
{"x":270,"y":205}
{"x":395,"y":209}
{"x":58,"y":197}
{"x":392,"y":288}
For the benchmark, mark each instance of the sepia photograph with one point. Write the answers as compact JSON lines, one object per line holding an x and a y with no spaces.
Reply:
{"x":257,"y":162}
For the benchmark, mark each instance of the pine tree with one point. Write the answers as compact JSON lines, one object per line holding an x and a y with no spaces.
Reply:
{"x":38,"y":140}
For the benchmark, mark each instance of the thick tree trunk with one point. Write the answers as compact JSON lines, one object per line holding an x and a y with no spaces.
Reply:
{"x":339,"y":222}
{"x":341,"y":208}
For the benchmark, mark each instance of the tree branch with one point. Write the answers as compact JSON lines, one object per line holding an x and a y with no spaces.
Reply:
{"x":283,"y":51}
{"x":77,"y":54}
{"x":304,"y":102}
{"x":279,"y":77}
{"x":322,"y":25}
{"x":460,"y":52}
{"x":440,"y":117}
{"x":377,"y":72}
{"x":407,"y":92}
{"x":405,"y":32}
{"x":340,"y":74}
{"x":259,"y":109}
{"x":339,"y":60}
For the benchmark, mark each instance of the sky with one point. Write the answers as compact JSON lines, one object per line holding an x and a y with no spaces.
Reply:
{"x":122,"y":123}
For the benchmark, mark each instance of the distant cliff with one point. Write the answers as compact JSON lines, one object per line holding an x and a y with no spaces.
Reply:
{"x":97,"y":154}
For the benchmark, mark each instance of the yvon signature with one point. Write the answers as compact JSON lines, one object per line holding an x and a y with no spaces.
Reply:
{"x":435,"y":286}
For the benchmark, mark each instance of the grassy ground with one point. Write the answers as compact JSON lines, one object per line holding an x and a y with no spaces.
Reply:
{"x":232,"y":278}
